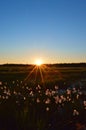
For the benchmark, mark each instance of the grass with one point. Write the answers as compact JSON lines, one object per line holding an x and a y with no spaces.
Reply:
{"x":51,"y":73}
{"x":20,"y":109}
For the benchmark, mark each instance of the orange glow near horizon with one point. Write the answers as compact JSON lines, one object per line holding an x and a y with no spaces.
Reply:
{"x":39,"y":62}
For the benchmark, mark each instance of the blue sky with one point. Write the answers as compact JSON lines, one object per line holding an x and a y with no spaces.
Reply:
{"x":53,"y":30}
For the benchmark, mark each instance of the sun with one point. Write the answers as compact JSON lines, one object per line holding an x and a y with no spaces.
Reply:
{"x":39,"y":62}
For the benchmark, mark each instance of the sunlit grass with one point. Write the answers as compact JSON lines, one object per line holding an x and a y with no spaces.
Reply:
{"x":42,"y":73}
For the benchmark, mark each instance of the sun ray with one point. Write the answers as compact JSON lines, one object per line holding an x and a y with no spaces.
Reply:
{"x":40,"y":72}
{"x":36,"y":73}
{"x":41,"y":75}
{"x":30,"y":74}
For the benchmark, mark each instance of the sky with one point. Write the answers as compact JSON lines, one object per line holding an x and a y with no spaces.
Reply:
{"x":51,"y":30}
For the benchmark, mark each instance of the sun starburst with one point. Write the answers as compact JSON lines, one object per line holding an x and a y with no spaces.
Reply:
{"x":39,"y":62}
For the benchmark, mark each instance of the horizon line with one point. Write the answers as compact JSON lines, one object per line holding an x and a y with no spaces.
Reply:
{"x":43,"y":63}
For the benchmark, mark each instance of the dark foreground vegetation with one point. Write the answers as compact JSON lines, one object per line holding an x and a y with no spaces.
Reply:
{"x":51,"y":99}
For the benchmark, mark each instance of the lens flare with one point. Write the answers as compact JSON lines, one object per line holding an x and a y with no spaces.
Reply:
{"x":39,"y":62}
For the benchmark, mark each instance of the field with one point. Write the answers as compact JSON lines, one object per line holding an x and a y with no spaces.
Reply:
{"x":49,"y":97}
{"x":50,"y":73}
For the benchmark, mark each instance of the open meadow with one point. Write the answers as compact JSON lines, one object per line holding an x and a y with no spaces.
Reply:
{"x":47,"y":97}
{"x":50,"y":72}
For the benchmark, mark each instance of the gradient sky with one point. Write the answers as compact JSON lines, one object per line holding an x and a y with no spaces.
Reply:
{"x":53,"y":30}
